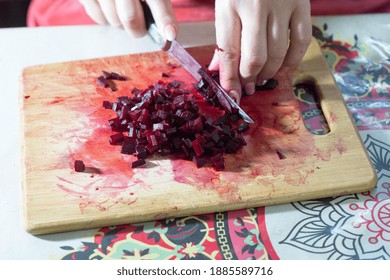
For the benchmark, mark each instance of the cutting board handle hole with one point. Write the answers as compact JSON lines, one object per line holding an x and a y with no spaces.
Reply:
{"x":309,"y":102}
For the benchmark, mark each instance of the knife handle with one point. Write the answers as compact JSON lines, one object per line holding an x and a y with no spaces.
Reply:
{"x":149,"y":19}
{"x":152,"y":29}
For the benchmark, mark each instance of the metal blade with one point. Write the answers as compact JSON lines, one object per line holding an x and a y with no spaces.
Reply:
{"x":193,"y":67}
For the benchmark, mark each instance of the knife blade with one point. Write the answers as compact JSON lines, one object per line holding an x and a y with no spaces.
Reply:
{"x":177,"y":51}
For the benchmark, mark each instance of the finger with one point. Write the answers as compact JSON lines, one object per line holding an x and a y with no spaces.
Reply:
{"x":165,"y":18}
{"x":93,"y":10}
{"x":109,"y":10}
{"x":300,"y":35}
{"x":131,"y":15}
{"x":277,"y":43}
{"x":228,"y":30}
{"x":253,"y":45}
{"x":214,"y":64}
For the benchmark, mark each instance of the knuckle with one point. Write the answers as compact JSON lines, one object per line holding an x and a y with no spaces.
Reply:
{"x":228,"y":80}
{"x":229,"y":55}
{"x":304,"y":40}
{"x":252,"y":65}
{"x":130,"y":19}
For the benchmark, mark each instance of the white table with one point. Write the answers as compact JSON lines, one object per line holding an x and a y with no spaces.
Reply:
{"x":21,"y":47}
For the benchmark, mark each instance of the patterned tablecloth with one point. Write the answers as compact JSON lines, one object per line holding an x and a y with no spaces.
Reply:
{"x":355,"y":226}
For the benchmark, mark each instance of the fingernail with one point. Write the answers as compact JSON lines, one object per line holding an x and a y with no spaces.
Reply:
{"x":261,"y":82}
{"x":235,"y":95}
{"x":250,"y":88}
{"x":170,"y":32}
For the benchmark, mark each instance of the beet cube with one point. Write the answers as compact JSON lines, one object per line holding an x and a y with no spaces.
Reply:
{"x":218,"y":162}
{"x":173,"y":84}
{"x":158,"y":126}
{"x":128,"y":146}
{"x":197,"y":146}
{"x":117,"y":138}
{"x":199,"y":161}
{"x":151,"y":149}
{"x":197,"y":125}
{"x":162,"y":138}
{"x":138,"y":163}
{"x":152,"y":140}
{"x":79,"y":166}
{"x":103,"y":81}
{"x":116,"y":125}
{"x":114,"y":76}
{"x":242,"y":127}
{"x":140,"y":152}
{"x":187,"y":142}
{"x":171,"y":130}
{"x":215,"y":136}
{"x":280,"y":154}
{"x":107,"y":105}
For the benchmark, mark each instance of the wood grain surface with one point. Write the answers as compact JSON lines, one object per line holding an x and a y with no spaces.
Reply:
{"x":62,"y":120}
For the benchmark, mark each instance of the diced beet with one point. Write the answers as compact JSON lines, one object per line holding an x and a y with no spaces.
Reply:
{"x":106,"y":83}
{"x":164,"y":118}
{"x":199,"y":161}
{"x":103,"y":81}
{"x":176,"y":142}
{"x":117,"y":138}
{"x":79,"y":166}
{"x":187,"y":142}
{"x":218,"y":162}
{"x":280,"y":154}
{"x":242,"y":127}
{"x":215,"y":135}
{"x":138,"y":163}
{"x":153,"y":140}
{"x":116,"y":125}
{"x":171,"y":130}
{"x":173,"y":84}
{"x":141,"y":152}
{"x":158,"y":126}
{"x":114,"y":76}
{"x":128,"y":146}
{"x":165,"y":75}
{"x":161,"y":137}
{"x":134,"y":115}
{"x":186,"y":151}
{"x":151,"y":149}
{"x":197,"y":146}
{"x":107,"y":105}
{"x":197,"y":125}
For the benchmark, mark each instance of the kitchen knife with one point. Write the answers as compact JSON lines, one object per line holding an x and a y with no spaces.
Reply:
{"x":176,"y":50}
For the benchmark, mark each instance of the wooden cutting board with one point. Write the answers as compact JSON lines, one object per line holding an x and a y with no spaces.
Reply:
{"x":62,"y":120}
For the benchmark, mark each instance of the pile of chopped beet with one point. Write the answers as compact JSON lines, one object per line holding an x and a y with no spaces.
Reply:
{"x":164,"y":119}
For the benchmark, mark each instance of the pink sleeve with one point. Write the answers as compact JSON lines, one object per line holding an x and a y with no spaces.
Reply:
{"x":57,"y":12}
{"x":71,"y":12}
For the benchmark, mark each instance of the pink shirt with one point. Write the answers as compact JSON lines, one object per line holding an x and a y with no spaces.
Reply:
{"x":71,"y":12}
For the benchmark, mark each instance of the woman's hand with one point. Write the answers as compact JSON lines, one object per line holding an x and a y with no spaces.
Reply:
{"x":128,"y":14}
{"x":256,"y":38}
